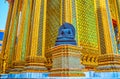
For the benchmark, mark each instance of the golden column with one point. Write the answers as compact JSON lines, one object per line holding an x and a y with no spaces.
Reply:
{"x":10,"y":36}
{"x":22,"y":35}
{"x":35,"y":57}
{"x":66,"y":11}
{"x":108,"y":46}
{"x":3,"y":54}
{"x":105,"y":28}
{"x":24,"y":41}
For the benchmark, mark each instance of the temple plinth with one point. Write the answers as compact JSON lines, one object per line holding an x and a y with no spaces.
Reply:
{"x":66,"y":55}
{"x":109,"y":59}
{"x":108,"y":63}
{"x":35,"y":64}
{"x":66,"y":61}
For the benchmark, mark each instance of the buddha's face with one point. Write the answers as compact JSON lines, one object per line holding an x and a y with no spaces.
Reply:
{"x":66,"y":32}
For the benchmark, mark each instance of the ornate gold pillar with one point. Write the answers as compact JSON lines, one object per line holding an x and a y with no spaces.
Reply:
{"x":105,"y":28}
{"x":22,"y":35}
{"x":107,"y":25}
{"x":35,"y":59}
{"x":6,"y":36}
{"x":10,"y":38}
{"x":108,"y":46}
{"x":24,"y":45}
{"x":66,"y":11}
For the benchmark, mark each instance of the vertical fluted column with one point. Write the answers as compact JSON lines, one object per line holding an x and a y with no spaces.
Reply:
{"x":22,"y":35}
{"x":35,"y":31}
{"x":7,"y":28}
{"x":36,"y":55}
{"x":109,"y":54}
{"x":44,"y":28}
{"x":68,"y":14}
{"x":105,"y":27}
{"x":66,"y":11}
{"x":10,"y":46}
{"x":97,"y":17}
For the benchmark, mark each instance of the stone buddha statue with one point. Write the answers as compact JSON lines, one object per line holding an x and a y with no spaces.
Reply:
{"x":66,"y":35}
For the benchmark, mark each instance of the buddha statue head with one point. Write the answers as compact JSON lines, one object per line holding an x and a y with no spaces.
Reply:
{"x":66,"y":34}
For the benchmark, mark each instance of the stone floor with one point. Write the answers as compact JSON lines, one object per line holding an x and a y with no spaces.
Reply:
{"x":89,"y":75}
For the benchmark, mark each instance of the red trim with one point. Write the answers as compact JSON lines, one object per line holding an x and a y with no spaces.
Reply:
{"x":114,"y":22}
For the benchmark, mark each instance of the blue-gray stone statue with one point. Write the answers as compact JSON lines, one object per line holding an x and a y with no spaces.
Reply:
{"x":66,"y":35}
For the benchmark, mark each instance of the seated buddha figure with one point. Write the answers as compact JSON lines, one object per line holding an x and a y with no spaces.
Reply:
{"x":66,"y":35}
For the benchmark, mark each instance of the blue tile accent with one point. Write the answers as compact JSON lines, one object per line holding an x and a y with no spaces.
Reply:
{"x":1,"y":35}
{"x":0,"y":44}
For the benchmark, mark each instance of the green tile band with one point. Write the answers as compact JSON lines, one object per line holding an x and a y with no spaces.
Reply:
{"x":12,"y":45}
{"x":24,"y":43}
{"x":40,"y":34}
